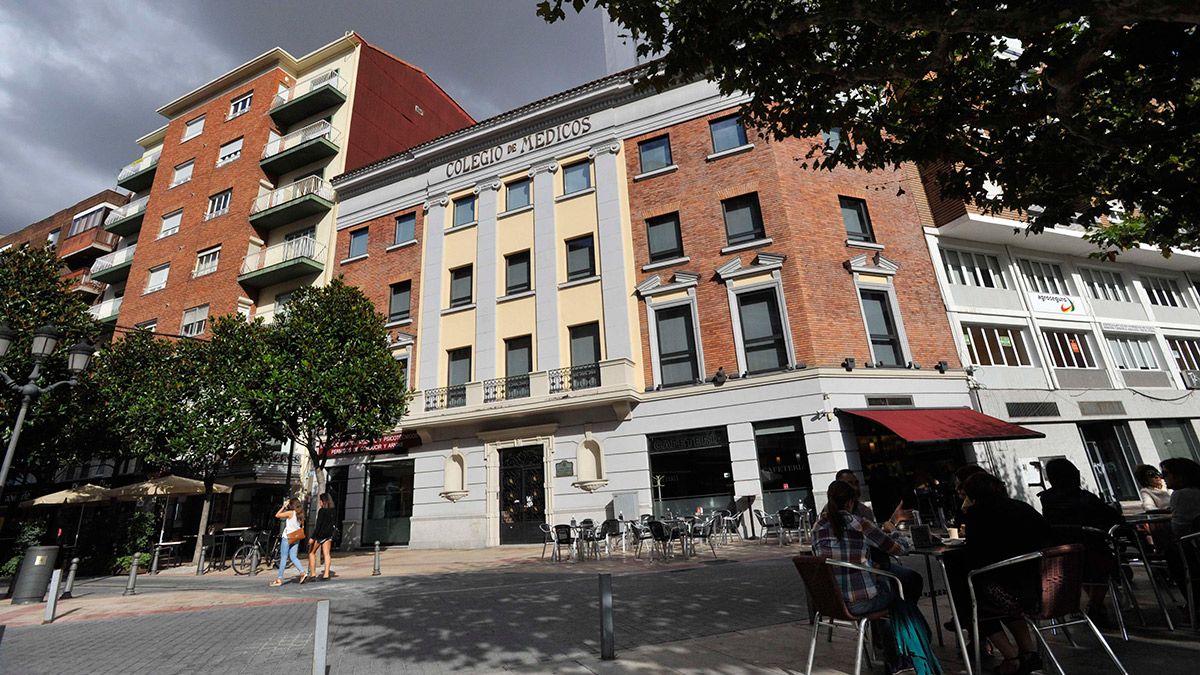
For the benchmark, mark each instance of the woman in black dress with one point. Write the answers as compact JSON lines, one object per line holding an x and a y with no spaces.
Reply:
{"x":322,"y":535}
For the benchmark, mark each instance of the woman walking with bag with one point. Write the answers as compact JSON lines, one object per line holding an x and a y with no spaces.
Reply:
{"x":293,"y":534}
{"x":322,"y":535}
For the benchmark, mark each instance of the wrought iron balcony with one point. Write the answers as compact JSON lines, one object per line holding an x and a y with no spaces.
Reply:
{"x":506,"y":388}
{"x":139,"y":174}
{"x":309,"y":98}
{"x":446,"y":397}
{"x":304,"y":146}
{"x":106,"y":312}
{"x":574,"y":378}
{"x":290,"y":203}
{"x":282,"y":262}
{"x":113,"y":267}
{"x":127,"y":220}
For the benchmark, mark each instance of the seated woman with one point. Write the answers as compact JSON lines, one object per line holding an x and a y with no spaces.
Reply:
{"x":1183,"y":478}
{"x":1154,"y":493}
{"x":1002,"y":528}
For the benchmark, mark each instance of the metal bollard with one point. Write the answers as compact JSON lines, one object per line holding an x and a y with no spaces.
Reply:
{"x":607,"y":641}
{"x":154,"y":562}
{"x":254,"y":561}
{"x":321,"y":638}
{"x":133,"y":570}
{"x":70,"y":579}
{"x":200,"y":562}
{"x":52,"y":599}
{"x":376,"y":572}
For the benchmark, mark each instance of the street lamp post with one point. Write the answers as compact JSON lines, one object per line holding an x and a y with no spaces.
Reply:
{"x":45,"y":339}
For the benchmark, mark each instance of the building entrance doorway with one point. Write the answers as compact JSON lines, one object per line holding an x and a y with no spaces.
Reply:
{"x":1112,"y":454}
{"x":522,"y":495}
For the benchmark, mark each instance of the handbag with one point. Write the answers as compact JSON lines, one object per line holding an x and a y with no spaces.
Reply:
{"x":295,"y":536}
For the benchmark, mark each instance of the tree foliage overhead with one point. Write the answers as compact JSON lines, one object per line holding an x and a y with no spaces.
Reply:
{"x":332,"y":378}
{"x":1086,"y":109}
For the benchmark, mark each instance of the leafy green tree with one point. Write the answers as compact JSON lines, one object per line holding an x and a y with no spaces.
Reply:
{"x":332,"y":378}
{"x":1086,"y":109}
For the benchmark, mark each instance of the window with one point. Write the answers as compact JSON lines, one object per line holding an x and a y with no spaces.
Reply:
{"x":678,"y":361}
{"x":856,"y":219}
{"x":518,"y":356}
{"x":964,"y":268}
{"x":663,"y":237}
{"x":460,"y":366}
{"x":240,"y":105}
{"x":218,"y":204}
{"x":399,"y":301}
{"x":763,"y":340}
{"x":516,"y":273}
{"x":881,"y":328}
{"x":516,"y":194}
{"x":358,"y":243}
{"x":996,"y":346}
{"x":158,"y":278}
{"x":1045,"y":277}
{"x":743,"y":219}
{"x":148,"y":326}
{"x":406,"y":228}
{"x":581,"y":258}
{"x":464,"y":210}
{"x":1104,"y":285}
{"x":183,"y":173}
{"x":206,"y":261}
{"x":1069,"y":349}
{"x":193,"y":128}
{"x":782,"y":464}
{"x":52,"y":238}
{"x":229,"y":152}
{"x":1163,"y":292}
{"x":1132,"y":352}
{"x":194,"y":320}
{"x":87,"y":221}
{"x":585,"y":356}
{"x":577,"y":177}
{"x":1186,"y":352}
{"x":727,"y":133}
{"x":282,"y":300}
{"x":170,"y":224}
{"x":460,"y":286}
{"x":655,"y":153}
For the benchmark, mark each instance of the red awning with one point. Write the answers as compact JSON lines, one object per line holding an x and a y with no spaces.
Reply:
{"x":933,"y":425}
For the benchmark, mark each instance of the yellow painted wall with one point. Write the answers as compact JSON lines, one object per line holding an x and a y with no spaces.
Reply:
{"x":577,"y":305}
{"x":458,"y":330}
{"x":514,"y":319}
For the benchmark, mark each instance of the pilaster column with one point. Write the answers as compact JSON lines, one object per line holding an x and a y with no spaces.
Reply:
{"x":613,"y":293}
{"x":485,"y":279}
{"x":428,"y":332}
{"x":545,"y":265}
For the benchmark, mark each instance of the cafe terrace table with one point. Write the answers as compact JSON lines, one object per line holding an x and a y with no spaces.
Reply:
{"x":936,"y":553}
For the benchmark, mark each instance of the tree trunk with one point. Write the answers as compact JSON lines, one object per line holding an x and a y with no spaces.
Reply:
{"x":208,"y":492}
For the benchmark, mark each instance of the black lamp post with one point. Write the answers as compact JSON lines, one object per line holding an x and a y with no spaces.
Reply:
{"x":45,"y":339}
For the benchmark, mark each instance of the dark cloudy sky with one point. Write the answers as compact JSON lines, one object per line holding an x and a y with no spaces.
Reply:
{"x":80,"y":80}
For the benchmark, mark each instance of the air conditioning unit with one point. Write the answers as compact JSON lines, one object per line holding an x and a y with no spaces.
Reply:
{"x":1191,"y":379}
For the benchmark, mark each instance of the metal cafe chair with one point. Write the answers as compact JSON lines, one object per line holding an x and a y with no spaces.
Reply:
{"x":829,"y":605}
{"x":789,"y":522}
{"x":547,"y":540}
{"x":1135,"y":550}
{"x":563,"y":536}
{"x":770,"y":526}
{"x":1189,"y":554}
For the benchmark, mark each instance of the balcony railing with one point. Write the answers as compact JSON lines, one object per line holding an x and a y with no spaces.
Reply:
{"x":446,"y":397}
{"x":117,"y":257}
{"x":133,"y":208}
{"x":91,"y":240}
{"x":506,"y":388}
{"x":138,"y":166}
{"x":313,"y":131}
{"x":330,"y":79}
{"x":574,"y":378}
{"x":304,"y":247}
{"x":313,"y":185}
{"x":106,"y":310}
{"x":81,"y":281}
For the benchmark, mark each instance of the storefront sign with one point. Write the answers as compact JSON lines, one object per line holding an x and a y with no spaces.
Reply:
{"x":399,"y":442}
{"x":688,"y":440}
{"x":534,"y":141}
{"x":1110,"y":327}
{"x":564,"y":469}
{"x":1055,"y":304}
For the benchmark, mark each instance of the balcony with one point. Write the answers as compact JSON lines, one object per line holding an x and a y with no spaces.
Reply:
{"x":139,"y":175}
{"x":81,"y":282}
{"x":114,"y":266}
{"x":290,"y":203}
{"x":127,"y":220}
{"x":609,"y":383}
{"x":282,"y":262}
{"x":86,"y":246}
{"x":305,"y":100}
{"x":305,"y":146}
{"x":106,"y":312}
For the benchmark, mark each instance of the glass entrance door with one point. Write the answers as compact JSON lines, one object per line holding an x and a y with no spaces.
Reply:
{"x":522,"y":495}
{"x":1112,"y":454}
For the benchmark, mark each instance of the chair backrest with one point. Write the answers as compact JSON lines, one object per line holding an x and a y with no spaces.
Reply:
{"x":610,"y":528}
{"x":1062,"y":578}
{"x":822,"y":587}
{"x":562,"y":533}
{"x":789,"y":519}
{"x":587,"y":522}
{"x":658,"y":531}
{"x":762,"y":520}
{"x":545,"y":528}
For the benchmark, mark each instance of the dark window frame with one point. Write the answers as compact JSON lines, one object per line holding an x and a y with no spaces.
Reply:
{"x":864,"y":218}
{"x":407,"y":217}
{"x":590,"y":270}
{"x":646,"y":144}
{"x":466,"y":199}
{"x":892,"y":339}
{"x":712,"y":127}
{"x":759,"y":231}
{"x":508,"y":205}
{"x":690,"y":356}
{"x":361,"y":234}
{"x":587,"y":166}
{"x":406,"y":314}
{"x":776,"y":341}
{"x":462,"y":301}
{"x":509,"y":287}
{"x":677,"y":252}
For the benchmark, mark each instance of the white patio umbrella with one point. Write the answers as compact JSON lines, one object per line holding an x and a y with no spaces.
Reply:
{"x":84,"y":494}
{"x":165,"y":486}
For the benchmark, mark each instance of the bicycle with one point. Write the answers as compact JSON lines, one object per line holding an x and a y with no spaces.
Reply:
{"x":256,"y":540}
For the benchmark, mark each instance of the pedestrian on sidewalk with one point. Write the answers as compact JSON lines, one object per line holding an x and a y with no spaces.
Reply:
{"x":322,"y":535}
{"x":293,"y":535}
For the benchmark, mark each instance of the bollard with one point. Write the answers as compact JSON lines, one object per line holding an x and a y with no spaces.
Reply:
{"x":607,"y":644}
{"x":52,"y":599}
{"x":321,"y":638}
{"x":70,"y":579}
{"x":376,"y":572}
{"x":200,"y":562}
{"x":254,"y":560}
{"x":133,"y":570}
{"x":154,"y":562}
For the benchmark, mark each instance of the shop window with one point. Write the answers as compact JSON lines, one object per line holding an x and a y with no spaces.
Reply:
{"x":690,"y":469}
{"x":389,"y":503}
{"x":783,"y":465}
{"x":1174,"y":438}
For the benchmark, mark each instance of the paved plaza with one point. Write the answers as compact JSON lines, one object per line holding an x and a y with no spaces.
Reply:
{"x":501,"y":610}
